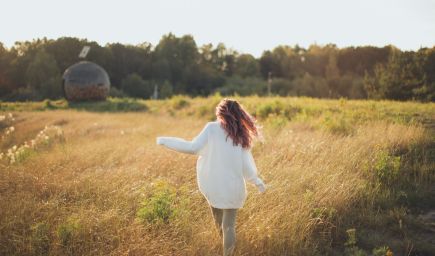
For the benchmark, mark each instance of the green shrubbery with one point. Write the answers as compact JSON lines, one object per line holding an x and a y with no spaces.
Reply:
{"x":277,"y":108}
{"x":164,"y":204}
{"x":179,"y":101}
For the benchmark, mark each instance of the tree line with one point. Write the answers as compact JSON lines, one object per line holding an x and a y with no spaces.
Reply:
{"x":32,"y":70}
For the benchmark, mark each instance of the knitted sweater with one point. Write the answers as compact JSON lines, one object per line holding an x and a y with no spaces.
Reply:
{"x":222,"y":168}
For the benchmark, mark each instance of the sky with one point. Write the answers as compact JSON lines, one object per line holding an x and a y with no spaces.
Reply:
{"x":247,"y":26}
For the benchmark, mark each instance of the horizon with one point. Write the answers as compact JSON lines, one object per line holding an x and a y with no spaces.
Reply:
{"x":247,"y":27}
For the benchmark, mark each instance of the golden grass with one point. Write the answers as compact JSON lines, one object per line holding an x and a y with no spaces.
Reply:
{"x":81,"y":197}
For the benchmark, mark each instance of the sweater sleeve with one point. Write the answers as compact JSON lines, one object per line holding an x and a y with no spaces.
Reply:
{"x":189,"y":147}
{"x":249,"y":168}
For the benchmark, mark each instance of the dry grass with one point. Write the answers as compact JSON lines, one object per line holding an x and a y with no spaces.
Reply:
{"x":81,"y":197}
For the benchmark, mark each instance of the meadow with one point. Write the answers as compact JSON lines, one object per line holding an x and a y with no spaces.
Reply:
{"x":345,"y":177}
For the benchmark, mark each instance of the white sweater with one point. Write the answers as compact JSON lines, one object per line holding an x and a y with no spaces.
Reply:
{"x":222,"y":168}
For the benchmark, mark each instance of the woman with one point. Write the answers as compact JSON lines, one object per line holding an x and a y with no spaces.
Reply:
{"x":224,"y":163}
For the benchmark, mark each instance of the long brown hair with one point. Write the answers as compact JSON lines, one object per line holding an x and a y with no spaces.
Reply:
{"x":236,"y":121}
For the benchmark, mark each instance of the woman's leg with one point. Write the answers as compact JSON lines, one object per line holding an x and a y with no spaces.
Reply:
{"x":229,"y":228}
{"x":217,"y":216}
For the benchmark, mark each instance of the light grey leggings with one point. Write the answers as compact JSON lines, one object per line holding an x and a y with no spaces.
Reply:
{"x":225,"y":220}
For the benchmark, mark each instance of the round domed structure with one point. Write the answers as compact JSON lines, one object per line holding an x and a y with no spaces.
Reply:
{"x":86,"y":80}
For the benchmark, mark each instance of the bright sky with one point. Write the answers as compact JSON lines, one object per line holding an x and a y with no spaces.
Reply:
{"x":248,"y":26}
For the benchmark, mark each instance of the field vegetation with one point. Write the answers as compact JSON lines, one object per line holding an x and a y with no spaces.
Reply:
{"x":345,"y":177}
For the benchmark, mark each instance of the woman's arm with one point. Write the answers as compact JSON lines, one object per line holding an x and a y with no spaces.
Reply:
{"x":184,"y":146}
{"x":250,"y":170}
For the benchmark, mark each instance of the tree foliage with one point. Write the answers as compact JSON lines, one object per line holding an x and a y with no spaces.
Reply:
{"x":177,"y":65}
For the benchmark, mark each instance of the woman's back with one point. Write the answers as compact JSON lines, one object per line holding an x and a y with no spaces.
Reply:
{"x":220,"y":169}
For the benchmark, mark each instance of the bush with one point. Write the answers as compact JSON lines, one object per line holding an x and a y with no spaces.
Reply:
{"x":163,"y":205}
{"x":387,"y":168}
{"x":111,"y":105}
{"x":276,"y":108}
{"x":178,"y":102}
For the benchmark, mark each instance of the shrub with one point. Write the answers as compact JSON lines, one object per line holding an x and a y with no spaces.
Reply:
{"x":160,"y":207}
{"x":178,"y":102}
{"x":386,"y":168}
{"x":276,"y":108}
{"x":112,"y":105}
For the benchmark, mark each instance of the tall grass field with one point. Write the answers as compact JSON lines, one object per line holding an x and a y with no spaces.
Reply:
{"x":345,"y":177}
